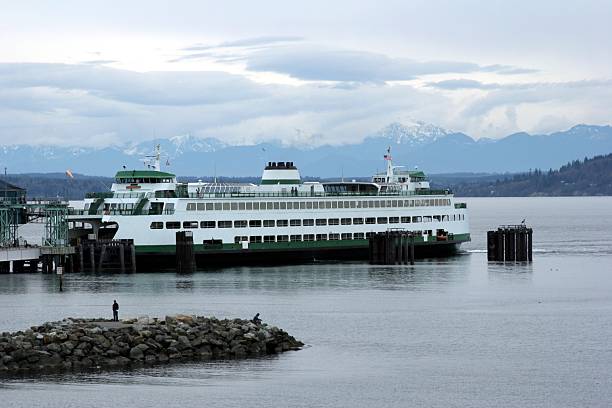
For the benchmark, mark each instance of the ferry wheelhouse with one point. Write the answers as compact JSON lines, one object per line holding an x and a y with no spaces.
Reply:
{"x":281,"y":219}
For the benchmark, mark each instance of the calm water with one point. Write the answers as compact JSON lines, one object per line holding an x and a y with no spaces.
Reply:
{"x":454,"y":332}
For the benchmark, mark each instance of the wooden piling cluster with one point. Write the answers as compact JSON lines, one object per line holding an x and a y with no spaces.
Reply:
{"x":510,"y":243}
{"x":185,"y":254}
{"x":392,"y":248}
{"x":99,"y":255}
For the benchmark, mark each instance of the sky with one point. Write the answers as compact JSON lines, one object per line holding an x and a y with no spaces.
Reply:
{"x":97,"y":73}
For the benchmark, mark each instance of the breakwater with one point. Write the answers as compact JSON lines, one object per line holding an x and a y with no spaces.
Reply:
{"x":77,"y":344}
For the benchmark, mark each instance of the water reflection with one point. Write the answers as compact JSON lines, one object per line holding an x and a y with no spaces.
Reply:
{"x":510,"y":271}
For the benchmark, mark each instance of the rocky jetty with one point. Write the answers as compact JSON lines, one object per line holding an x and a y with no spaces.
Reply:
{"x":76,"y":344}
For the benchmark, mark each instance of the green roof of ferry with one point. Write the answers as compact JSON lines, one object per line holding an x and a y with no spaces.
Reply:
{"x":143,"y":174}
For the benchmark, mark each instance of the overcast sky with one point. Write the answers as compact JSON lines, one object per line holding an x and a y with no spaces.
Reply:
{"x":96,"y":73}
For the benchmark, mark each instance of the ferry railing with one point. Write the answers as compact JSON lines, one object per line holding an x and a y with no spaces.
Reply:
{"x":317,"y":194}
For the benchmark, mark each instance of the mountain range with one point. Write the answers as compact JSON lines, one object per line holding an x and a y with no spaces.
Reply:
{"x":431,"y":148}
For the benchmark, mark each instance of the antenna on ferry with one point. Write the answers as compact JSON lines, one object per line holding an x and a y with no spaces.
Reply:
{"x":389,"y":164}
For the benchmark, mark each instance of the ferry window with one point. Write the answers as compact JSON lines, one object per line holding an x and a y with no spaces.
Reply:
{"x":309,"y":205}
{"x":427,"y":218}
{"x":249,"y":206}
{"x":157,"y":225}
{"x":269,"y":238}
{"x":233,"y":206}
{"x":255,"y":239}
{"x":309,"y":237}
{"x":315,"y":205}
{"x":282,"y":238}
{"x":340,"y":204}
{"x":333,"y":221}
{"x":262,"y":206}
{"x":353,"y":204}
{"x":255,"y":223}
{"x":224,"y":224}
{"x":377,"y":204}
{"x":416,"y":219}
{"x":302,"y":205}
{"x":296,"y":205}
{"x":357,"y":221}
{"x":276,"y":205}
{"x":437,"y":217}
{"x":393,"y":220}
{"x":218,"y":206}
{"x":256,"y":206}
{"x":347,"y":204}
{"x":283,"y":205}
{"x":240,"y":224}
{"x":241,"y":206}
{"x":334,"y":237}
{"x":308,"y":222}
{"x":295,"y":238}
{"x":190,"y":224}
{"x":369,"y":234}
{"x":322,"y":204}
{"x":191,"y":206}
{"x":282,"y":223}
{"x":445,"y":218}
{"x":201,"y":206}
{"x":346,"y":236}
{"x":370,"y":220}
{"x":321,"y":237}
{"x":173,"y":225}
{"x":381,"y":220}
{"x":394,"y":203}
{"x":295,"y":223}
{"x":405,"y":220}
{"x":268,"y":223}
{"x":328,"y":204}
{"x":383,"y":204}
{"x":207,"y":224}
{"x":226,"y":206}
{"x":321,"y":221}
{"x":290,"y":205}
{"x":358,"y":235}
{"x":345,"y":221}
{"x":209,"y":206}
{"x":334,"y":204}
{"x":400,"y":203}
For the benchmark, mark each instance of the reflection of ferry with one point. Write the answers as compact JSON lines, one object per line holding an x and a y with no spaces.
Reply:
{"x":281,"y":219}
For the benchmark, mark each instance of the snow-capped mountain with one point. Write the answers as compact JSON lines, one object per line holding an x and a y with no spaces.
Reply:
{"x":432,"y":148}
{"x":175,"y":146}
{"x":412,"y":134}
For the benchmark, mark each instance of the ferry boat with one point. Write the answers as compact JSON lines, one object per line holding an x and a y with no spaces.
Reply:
{"x":282,"y":219}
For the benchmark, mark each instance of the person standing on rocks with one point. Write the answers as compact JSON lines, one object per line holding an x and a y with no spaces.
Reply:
{"x":115,"y":311}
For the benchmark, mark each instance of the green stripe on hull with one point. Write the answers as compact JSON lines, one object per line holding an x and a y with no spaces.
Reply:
{"x":279,"y":246}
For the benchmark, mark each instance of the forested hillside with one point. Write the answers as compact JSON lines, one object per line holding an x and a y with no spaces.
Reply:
{"x":589,"y":177}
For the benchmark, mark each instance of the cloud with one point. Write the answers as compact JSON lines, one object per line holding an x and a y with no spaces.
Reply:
{"x":246,"y":42}
{"x":73,"y":104}
{"x":69,"y":104}
{"x":314,"y":63}
{"x":149,"y":88}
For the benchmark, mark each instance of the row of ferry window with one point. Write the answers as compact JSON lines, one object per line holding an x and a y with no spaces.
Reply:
{"x":306,"y":222}
{"x":310,"y":205}
{"x":300,"y":238}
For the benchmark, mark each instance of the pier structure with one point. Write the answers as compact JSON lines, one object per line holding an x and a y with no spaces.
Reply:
{"x":510,"y":243}
{"x":18,"y":255}
{"x":392,"y":247}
